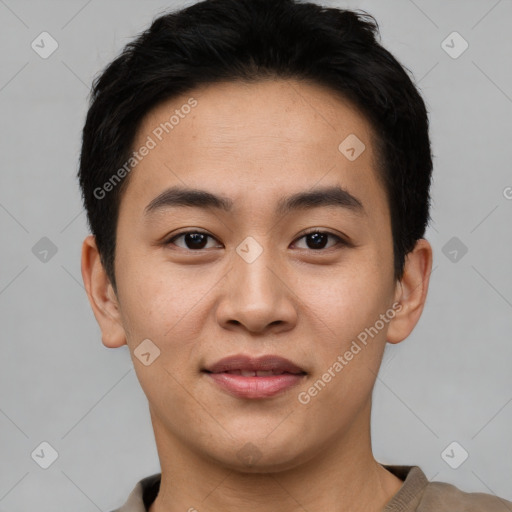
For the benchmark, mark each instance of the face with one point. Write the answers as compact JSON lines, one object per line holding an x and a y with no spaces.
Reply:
{"x":292,"y":259}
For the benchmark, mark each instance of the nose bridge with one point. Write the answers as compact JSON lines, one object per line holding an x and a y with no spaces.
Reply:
{"x":252,"y":272}
{"x":255,"y":297}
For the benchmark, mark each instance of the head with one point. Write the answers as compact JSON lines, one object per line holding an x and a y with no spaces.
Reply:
{"x":294,"y":151}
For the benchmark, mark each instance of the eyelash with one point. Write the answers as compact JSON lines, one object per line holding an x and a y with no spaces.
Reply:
{"x":339,"y":241}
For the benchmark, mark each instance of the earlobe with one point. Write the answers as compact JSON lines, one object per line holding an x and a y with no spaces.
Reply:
{"x":411,"y":291}
{"x":102,"y":297}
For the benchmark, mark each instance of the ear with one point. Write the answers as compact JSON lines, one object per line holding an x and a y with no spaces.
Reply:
{"x":101,"y":295}
{"x":411,"y":291}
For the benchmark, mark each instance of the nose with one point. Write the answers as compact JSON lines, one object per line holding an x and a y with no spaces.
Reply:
{"x":257,"y":297}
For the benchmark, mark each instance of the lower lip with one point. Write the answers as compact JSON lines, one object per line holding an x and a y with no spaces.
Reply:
{"x":255,"y":387}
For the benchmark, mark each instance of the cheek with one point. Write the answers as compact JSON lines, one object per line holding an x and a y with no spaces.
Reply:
{"x":348,"y":345}
{"x":344,"y":303}
{"x":159,"y":302}
{"x":170,"y":313}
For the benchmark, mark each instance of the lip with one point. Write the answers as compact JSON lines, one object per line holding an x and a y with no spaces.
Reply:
{"x":248,"y":363}
{"x":284,"y":375}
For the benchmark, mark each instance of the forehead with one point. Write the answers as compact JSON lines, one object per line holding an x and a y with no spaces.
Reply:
{"x":248,"y":140}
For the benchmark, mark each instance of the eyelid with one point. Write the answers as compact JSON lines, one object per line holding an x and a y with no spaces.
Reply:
{"x":323,"y":231}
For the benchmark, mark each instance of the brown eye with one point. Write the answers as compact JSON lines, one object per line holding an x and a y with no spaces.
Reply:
{"x":192,"y":240}
{"x":316,"y":240}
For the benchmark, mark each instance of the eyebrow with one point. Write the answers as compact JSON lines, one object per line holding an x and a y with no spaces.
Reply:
{"x":191,"y":197}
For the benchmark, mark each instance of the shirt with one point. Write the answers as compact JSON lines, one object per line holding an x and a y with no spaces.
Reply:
{"x":416,"y":494}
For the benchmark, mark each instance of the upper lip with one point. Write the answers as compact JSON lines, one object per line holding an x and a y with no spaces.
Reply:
{"x":247,"y":363}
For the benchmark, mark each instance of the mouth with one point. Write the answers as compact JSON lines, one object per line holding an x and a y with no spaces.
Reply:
{"x":255,"y":378}
{"x":256,"y":373}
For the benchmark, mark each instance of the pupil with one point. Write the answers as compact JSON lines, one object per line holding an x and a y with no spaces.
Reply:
{"x":197,"y":240}
{"x":319,"y":240}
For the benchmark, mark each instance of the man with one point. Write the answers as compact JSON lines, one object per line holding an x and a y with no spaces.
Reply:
{"x":256,"y":175}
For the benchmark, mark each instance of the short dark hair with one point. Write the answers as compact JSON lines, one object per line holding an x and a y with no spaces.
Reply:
{"x":249,"y":40}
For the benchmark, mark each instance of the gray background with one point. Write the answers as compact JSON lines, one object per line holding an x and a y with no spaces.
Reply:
{"x":450,"y":381}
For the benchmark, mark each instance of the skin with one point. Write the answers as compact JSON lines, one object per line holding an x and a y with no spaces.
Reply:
{"x":256,"y":143}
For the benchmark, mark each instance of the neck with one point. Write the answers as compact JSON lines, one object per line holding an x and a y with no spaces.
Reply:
{"x":342,"y":477}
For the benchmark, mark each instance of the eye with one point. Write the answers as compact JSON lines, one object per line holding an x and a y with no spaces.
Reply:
{"x":194,"y":240}
{"x":316,"y":240}
{"x":198,"y":240}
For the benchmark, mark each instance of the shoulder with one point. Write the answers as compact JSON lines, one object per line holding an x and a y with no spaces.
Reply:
{"x":142,"y":495}
{"x":420,"y":495}
{"x":441,"y":496}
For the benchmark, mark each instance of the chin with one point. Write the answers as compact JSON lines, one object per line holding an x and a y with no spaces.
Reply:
{"x":258,"y":455}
